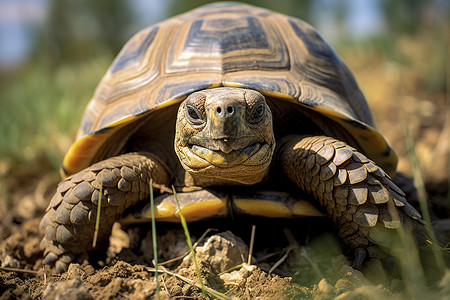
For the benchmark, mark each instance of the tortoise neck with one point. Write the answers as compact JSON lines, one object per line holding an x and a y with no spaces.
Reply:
{"x":237,"y":180}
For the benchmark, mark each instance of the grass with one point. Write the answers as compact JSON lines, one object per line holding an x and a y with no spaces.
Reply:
{"x":154,"y":240}
{"x":207,"y":291}
{"x":97,"y":219}
{"x":42,"y":108}
{"x":252,"y":242}
{"x":413,"y":268}
{"x":420,"y":185}
{"x":189,"y":242}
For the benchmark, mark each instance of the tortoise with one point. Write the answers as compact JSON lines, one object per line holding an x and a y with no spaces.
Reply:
{"x":242,"y":110}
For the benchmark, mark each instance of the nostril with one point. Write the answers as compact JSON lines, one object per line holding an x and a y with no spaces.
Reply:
{"x":224,"y":111}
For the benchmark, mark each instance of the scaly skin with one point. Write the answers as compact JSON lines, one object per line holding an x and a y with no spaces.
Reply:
{"x":360,"y":198}
{"x":69,"y":221}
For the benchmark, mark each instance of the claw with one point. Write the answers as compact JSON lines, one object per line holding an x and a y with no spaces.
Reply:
{"x":61,"y":267}
{"x":67,"y":258}
{"x":51,"y":257}
{"x":360,"y":255}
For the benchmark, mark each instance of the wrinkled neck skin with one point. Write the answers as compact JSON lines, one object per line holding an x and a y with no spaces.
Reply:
{"x":224,"y":136}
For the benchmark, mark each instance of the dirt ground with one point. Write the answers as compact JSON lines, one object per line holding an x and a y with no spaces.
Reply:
{"x":312,"y":266}
{"x":304,"y":272}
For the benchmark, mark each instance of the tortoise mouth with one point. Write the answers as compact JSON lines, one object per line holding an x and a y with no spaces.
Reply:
{"x":223,"y":155}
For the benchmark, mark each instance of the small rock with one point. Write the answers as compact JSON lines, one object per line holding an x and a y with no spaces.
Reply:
{"x":31,"y":247}
{"x":238,"y":277}
{"x":223,"y":251}
{"x":119,"y":239}
{"x":89,"y":269}
{"x":174,"y":238}
{"x":27,"y":207}
{"x":10,"y":262}
{"x":325,"y":287}
{"x":350,"y":278}
{"x":66,"y":290}
{"x":233,"y":278}
{"x":75,"y":271}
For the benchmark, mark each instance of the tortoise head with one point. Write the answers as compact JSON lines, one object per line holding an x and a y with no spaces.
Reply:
{"x":225,"y":134}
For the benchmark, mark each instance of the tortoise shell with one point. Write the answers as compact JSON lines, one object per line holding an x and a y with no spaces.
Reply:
{"x":229,"y":45}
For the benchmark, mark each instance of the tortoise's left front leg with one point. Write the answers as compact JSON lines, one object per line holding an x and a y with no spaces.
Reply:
{"x":359,"y":197}
{"x":115,"y":184}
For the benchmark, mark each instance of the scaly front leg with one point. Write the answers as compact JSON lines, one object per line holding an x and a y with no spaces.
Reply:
{"x":360,"y":198}
{"x":69,"y":221}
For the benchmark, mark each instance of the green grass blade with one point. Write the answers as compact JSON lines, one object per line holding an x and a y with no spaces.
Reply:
{"x":97,"y":221}
{"x":155,"y":244}
{"x":407,"y":255}
{"x":419,"y":183}
{"x":189,"y":242}
{"x":211,"y":291}
{"x":252,"y":242}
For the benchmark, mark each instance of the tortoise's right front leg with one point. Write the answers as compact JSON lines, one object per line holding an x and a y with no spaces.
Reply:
{"x":69,"y":221}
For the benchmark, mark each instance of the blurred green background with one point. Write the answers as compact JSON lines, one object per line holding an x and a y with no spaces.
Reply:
{"x":53,"y":54}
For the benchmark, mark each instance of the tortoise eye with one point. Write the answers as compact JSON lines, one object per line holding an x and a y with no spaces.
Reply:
{"x":193,"y":115}
{"x":257,"y":114}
